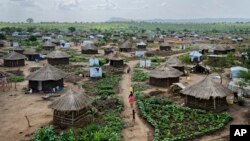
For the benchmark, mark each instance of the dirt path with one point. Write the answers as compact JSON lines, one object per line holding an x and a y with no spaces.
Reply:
{"x":135,"y":130}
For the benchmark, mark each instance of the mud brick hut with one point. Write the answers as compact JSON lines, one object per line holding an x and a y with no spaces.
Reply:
{"x":164,"y":76}
{"x":174,"y":62}
{"x":14,"y":59}
{"x":126,"y":46}
{"x":165,"y":46}
{"x":115,"y":60}
{"x":31,"y":54}
{"x":46,"y":78}
{"x":207,"y":94}
{"x":89,"y":49}
{"x":48,"y":46}
{"x":220,"y":50}
{"x":141,"y":45}
{"x":58,"y":58}
{"x":71,"y":108}
{"x":17,"y":49}
{"x":2,"y":43}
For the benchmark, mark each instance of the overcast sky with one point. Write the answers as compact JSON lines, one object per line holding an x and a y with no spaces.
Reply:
{"x":102,"y":10}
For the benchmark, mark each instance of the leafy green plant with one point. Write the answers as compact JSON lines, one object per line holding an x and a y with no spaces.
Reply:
{"x":139,"y":75}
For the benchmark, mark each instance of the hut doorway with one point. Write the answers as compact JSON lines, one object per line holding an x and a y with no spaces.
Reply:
{"x":40,"y":85}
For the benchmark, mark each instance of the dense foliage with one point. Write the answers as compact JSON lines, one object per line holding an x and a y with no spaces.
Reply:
{"x":172,"y":122}
{"x":139,"y":75}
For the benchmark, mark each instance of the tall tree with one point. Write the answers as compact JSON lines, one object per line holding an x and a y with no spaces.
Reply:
{"x":30,"y":20}
{"x":72,"y":29}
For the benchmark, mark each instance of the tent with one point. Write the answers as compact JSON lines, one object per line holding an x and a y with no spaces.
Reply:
{"x":95,"y":72}
{"x":145,"y":63}
{"x":234,"y":86}
{"x":139,"y":53}
{"x":93,"y":62}
{"x":195,"y":56}
{"x":235,"y":70}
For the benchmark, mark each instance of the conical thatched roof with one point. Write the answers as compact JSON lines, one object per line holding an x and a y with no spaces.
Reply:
{"x":165,"y":71}
{"x":205,"y":89}
{"x":165,"y":44}
{"x":17,"y":48}
{"x":46,"y":73}
{"x":71,"y":101}
{"x":174,"y":62}
{"x":126,"y":44}
{"x":14,"y":56}
{"x":89,"y":47}
{"x":57,"y":54}
{"x":30,"y":51}
{"x":220,"y":48}
{"x":48,"y":44}
{"x":114,"y":56}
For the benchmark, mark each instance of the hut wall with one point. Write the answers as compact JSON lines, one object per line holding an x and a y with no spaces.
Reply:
{"x":46,"y":85}
{"x":179,"y":68}
{"x":220,"y":52}
{"x":89,"y":51}
{"x":59,"y":61}
{"x":14,"y":63}
{"x":49,"y":47}
{"x":69,"y":118}
{"x":166,"y":48}
{"x":199,"y":69}
{"x":116,"y":63}
{"x":125,"y":49}
{"x":1,"y":44}
{"x":142,"y":47}
{"x":221,"y":103}
{"x":163,"y":82}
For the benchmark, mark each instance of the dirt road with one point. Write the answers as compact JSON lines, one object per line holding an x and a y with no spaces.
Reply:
{"x":135,"y":130}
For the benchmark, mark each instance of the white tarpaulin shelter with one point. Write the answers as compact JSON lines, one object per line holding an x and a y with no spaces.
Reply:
{"x":139,"y":53}
{"x":85,"y":43}
{"x":66,"y":45}
{"x":195,"y":55}
{"x":235,"y":70}
{"x":93,"y":62}
{"x":145,"y":63}
{"x":95,"y":72}
{"x":233,"y":85}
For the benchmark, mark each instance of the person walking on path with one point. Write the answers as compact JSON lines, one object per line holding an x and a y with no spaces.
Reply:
{"x":131,"y":90}
{"x":131,"y":99}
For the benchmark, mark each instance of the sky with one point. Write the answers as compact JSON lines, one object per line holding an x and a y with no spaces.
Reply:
{"x":103,"y":10}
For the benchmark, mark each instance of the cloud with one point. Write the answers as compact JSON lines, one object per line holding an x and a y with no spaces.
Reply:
{"x":163,"y":4}
{"x":25,"y":3}
{"x":106,"y":5}
{"x":68,"y":4}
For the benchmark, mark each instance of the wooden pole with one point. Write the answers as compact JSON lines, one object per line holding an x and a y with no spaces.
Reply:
{"x":28,"y":121}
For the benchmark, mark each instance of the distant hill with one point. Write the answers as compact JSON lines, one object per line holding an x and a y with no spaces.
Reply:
{"x":202,"y":20}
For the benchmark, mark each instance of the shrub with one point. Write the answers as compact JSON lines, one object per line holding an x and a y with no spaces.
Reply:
{"x":241,"y":101}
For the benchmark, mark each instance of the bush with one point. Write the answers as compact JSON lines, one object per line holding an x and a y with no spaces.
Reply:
{"x":139,"y":75}
{"x":241,"y":101}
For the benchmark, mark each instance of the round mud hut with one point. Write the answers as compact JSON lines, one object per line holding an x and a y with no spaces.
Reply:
{"x":115,"y":61}
{"x":141,"y":45}
{"x":126,"y":46}
{"x":89,"y":49}
{"x":71,"y":108}
{"x":164,"y":76}
{"x":165,"y":46}
{"x":174,"y":62}
{"x":46,"y":78}
{"x":58,"y":58}
{"x":31,"y":54}
{"x":14,"y":59}
{"x":17,"y":49}
{"x":207,"y":94}
{"x":48,"y":46}
{"x":220,"y":50}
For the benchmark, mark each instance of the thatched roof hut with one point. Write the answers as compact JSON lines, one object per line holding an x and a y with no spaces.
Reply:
{"x":207,"y":94}
{"x":14,"y":59}
{"x":220,"y":50}
{"x":2,"y":43}
{"x":58,"y":58}
{"x":126,"y":46}
{"x":17,"y":49}
{"x":46,"y":78}
{"x":141,"y":45}
{"x":174,"y":62}
{"x":48,"y":46}
{"x":165,"y":46}
{"x":164,"y":76}
{"x":70,"y":108}
{"x":115,"y":60}
{"x":89,"y":49}
{"x":31,"y":54}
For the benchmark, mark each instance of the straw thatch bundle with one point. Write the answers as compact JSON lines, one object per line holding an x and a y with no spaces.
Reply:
{"x":205,"y":89}
{"x":57,"y":54}
{"x":46,"y":73}
{"x":14,"y":56}
{"x":165,"y":71}
{"x":174,"y":62}
{"x":72,"y":101}
{"x":126,"y":44}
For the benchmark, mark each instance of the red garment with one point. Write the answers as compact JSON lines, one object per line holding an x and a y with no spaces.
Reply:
{"x":131,"y":99}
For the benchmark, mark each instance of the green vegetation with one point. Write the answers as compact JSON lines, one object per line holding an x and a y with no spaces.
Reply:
{"x":184,"y":59}
{"x":139,"y":75}
{"x":74,"y":58}
{"x":172,"y":122}
{"x":105,"y":87}
{"x":157,"y":59}
{"x":16,"y":78}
